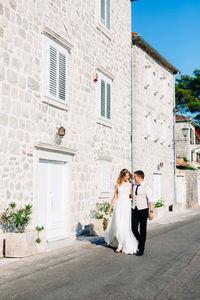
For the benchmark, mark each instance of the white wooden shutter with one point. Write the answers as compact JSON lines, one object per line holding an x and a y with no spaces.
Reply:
{"x":156,"y":187}
{"x":102,"y":180}
{"x":62,"y":76}
{"x":108,"y":111}
{"x":103,"y":98}
{"x":57,"y":60}
{"x":103,"y":6}
{"x":108,"y":14}
{"x":52,"y":71}
{"x":105,"y":178}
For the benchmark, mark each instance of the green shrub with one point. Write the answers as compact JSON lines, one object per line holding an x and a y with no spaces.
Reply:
{"x":159,"y":203}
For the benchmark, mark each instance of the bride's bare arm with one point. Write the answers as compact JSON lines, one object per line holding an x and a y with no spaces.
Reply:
{"x":113,"y":199}
{"x":132,"y":194}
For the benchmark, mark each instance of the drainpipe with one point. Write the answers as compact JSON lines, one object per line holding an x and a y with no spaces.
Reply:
{"x":132,"y":112}
{"x":174,"y":138}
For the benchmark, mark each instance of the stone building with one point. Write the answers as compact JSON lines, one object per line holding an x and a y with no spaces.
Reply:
{"x":65,"y":116}
{"x":187,"y":162}
{"x":188,"y":146}
{"x":153,"y":98}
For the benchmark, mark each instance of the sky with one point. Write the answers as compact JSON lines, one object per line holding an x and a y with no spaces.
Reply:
{"x":173,"y":28}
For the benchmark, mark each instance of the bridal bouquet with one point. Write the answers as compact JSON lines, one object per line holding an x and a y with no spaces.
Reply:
{"x":101,"y":212}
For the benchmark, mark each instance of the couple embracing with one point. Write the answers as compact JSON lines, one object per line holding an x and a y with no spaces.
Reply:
{"x":129,"y":213}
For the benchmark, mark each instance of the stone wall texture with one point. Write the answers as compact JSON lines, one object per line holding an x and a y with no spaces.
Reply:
{"x":26,"y":120}
{"x":153,"y":94}
{"x":191,"y":188}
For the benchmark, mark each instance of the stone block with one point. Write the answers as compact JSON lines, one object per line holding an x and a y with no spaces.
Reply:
{"x":12,"y":77}
{"x":24,"y":244}
{"x":33,"y":84}
{"x":1,"y":244}
{"x":160,"y":212}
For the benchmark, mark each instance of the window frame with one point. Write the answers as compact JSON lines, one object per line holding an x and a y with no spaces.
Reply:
{"x":104,"y":193}
{"x":105,"y":24}
{"x":107,"y":81}
{"x":51,"y":99}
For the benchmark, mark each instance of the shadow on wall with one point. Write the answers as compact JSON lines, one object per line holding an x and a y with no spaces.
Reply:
{"x":87,"y":231}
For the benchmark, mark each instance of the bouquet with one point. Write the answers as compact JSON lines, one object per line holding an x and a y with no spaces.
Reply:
{"x":101,"y":212}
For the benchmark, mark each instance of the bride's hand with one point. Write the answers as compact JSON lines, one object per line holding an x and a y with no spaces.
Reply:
{"x":109,"y":210}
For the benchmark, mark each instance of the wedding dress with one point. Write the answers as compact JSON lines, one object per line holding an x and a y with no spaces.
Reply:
{"x":119,"y":226}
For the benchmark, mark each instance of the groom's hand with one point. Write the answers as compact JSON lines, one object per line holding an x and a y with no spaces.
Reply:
{"x":151,"y":216}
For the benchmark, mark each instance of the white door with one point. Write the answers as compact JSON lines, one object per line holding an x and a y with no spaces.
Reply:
{"x":156,"y":187}
{"x":50,"y":198}
{"x":198,"y":190}
{"x":179,"y":189}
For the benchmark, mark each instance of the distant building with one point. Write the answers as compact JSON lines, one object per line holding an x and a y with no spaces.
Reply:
{"x":187,"y":162}
{"x":153,"y":98}
{"x":188,"y":146}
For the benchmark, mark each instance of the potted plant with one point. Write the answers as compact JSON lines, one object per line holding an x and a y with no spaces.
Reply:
{"x":20,"y":242}
{"x":159,"y":208}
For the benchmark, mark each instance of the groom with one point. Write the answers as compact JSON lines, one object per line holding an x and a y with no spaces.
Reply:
{"x":142,"y":209}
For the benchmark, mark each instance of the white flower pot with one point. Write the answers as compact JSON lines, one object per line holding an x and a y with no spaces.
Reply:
{"x":24,"y":244}
{"x":160,"y":212}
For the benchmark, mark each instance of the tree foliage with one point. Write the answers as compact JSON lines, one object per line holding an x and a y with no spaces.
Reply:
{"x":188,"y":94}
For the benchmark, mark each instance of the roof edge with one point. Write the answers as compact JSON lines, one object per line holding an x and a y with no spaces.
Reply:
{"x":138,"y":40}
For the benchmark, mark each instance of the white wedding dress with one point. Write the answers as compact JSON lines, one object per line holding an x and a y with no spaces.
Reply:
{"x":119,"y":226}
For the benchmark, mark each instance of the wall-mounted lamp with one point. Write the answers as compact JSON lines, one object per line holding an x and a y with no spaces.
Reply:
{"x":96,"y":77}
{"x":59,"y":135}
{"x":185,"y":132}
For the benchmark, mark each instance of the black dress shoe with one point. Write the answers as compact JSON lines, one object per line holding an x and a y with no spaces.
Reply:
{"x":139,"y":253}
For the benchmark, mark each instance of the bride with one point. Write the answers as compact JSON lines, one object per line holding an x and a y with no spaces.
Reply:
{"x":119,"y":227}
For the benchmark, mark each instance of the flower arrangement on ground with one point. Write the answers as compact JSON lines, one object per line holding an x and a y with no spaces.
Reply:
{"x":101,"y":212}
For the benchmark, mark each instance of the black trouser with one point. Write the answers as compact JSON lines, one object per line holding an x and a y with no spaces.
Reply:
{"x":140,"y":217}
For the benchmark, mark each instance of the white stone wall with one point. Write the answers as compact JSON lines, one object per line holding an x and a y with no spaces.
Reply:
{"x":183,"y":147}
{"x":25,"y":120}
{"x":189,"y":187}
{"x":153,"y":88}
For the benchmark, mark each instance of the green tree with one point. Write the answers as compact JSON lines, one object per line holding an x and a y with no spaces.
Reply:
{"x":188,"y":94}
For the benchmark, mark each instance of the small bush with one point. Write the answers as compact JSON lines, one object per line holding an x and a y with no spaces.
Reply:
{"x":159,"y":203}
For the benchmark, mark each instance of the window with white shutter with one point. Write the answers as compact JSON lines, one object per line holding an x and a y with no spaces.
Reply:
{"x":104,"y":177}
{"x":105,"y":97}
{"x":105,"y":13}
{"x":57,"y":71}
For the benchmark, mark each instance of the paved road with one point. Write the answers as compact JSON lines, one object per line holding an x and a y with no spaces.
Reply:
{"x":170,"y":269}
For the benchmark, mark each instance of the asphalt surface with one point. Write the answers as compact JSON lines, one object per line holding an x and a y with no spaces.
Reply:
{"x":170,"y":269}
